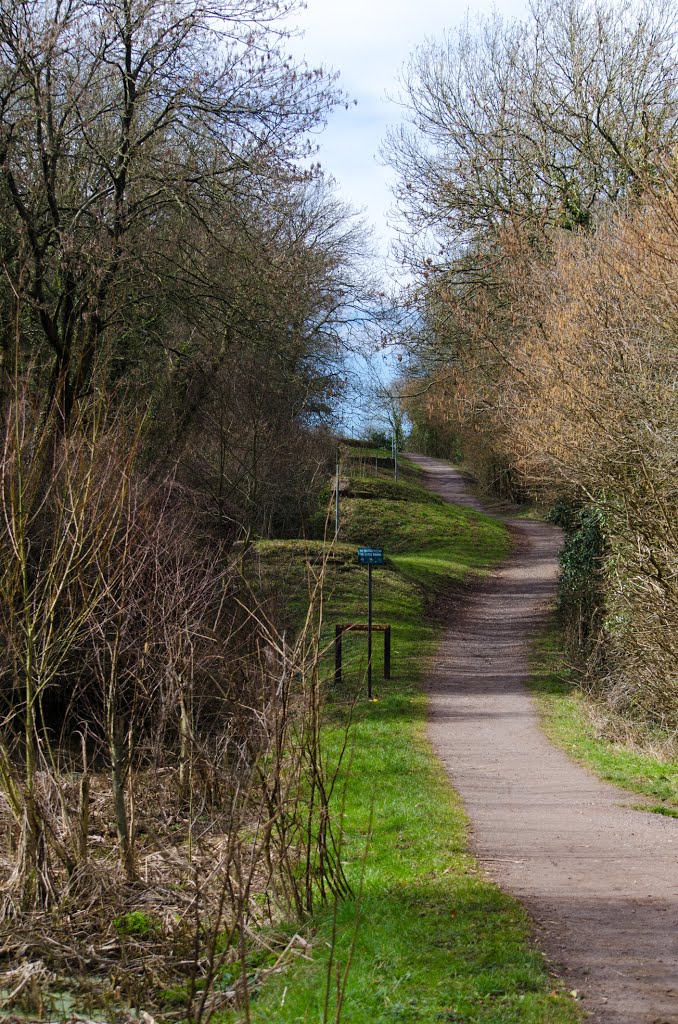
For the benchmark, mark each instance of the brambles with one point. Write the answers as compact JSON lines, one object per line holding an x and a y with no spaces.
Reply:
{"x":161,"y":764}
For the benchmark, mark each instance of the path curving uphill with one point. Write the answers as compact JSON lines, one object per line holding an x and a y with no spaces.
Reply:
{"x":600,"y":879}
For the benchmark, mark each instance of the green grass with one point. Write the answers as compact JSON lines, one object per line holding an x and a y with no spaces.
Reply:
{"x":665,"y":809}
{"x":428,"y":545}
{"x":436,"y":940}
{"x":568,"y":718}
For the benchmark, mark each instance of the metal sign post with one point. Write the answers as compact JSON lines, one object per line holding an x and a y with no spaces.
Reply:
{"x":336,"y":497}
{"x":370,"y":557}
{"x":369,"y":631}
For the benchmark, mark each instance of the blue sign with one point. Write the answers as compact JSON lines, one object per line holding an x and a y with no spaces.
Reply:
{"x":371,"y":556}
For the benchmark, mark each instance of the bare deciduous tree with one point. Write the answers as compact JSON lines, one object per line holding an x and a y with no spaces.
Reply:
{"x":114,"y":117}
{"x":543,"y":121}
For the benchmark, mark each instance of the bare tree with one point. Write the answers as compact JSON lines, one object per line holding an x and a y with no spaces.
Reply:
{"x":268,"y":307}
{"x":114,"y":117}
{"x":539,"y":161}
{"x":56,"y":526}
{"x":543,"y":121}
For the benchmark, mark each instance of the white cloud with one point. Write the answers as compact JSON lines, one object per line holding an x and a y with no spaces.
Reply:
{"x":368,"y":41}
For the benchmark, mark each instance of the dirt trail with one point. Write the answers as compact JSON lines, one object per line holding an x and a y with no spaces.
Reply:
{"x":599,"y":879}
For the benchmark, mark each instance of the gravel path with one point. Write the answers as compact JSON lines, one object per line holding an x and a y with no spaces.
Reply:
{"x":599,"y":879}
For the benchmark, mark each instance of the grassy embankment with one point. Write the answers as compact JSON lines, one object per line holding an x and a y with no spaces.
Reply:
{"x":436,"y":940}
{"x":615,"y":751}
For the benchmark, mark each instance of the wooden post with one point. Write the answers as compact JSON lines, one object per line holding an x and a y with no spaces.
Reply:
{"x":387,"y":653}
{"x":360,"y":627}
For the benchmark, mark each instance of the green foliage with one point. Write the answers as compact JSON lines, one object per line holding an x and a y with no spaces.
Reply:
{"x":179,"y":995}
{"x":429,"y":438}
{"x":378,"y":438}
{"x":258,"y":959}
{"x":581,"y":560}
{"x":137,"y":924}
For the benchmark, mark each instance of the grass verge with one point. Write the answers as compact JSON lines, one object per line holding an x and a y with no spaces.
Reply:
{"x":436,"y":940}
{"x":589,"y":734}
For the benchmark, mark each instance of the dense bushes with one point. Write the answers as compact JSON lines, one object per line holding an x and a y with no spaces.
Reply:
{"x":544,"y":343}
{"x":578,"y":407}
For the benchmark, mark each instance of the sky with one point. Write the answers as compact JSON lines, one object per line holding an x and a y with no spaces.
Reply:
{"x":368,"y":41}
